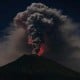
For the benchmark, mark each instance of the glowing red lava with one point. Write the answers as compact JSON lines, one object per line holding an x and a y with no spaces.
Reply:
{"x":42,"y":46}
{"x":41,"y":50}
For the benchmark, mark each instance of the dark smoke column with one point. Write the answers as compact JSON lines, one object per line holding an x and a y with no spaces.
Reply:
{"x":39,"y":20}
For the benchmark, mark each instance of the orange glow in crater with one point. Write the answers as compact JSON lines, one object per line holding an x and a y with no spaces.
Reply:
{"x":42,"y":49}
{"x":42,"y":46}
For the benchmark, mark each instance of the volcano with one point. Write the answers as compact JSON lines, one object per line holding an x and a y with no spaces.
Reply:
{"x":36,"y":67}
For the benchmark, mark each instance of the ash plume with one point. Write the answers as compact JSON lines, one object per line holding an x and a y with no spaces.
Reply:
{"x":43,"y":25}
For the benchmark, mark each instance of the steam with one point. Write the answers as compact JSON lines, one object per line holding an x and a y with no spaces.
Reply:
{"x":63,"y":38}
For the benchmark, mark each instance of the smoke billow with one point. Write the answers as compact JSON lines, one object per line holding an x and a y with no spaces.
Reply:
{"x":37,"y":25}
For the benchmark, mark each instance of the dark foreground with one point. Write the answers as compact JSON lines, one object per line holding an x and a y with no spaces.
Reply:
{"x":36,"y":68}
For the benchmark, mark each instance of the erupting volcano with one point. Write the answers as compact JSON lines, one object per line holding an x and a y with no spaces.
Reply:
{"x":45,"y":37}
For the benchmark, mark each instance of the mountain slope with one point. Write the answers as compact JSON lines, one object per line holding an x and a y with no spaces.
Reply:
{"x":36,"y":67}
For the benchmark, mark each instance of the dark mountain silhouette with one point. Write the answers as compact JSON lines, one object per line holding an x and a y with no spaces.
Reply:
{"x":35,"y":67}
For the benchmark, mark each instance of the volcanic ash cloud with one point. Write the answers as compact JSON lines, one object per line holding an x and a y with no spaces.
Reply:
{"x":37,"y":25}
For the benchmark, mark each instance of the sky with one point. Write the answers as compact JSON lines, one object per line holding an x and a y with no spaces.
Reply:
{"x":9,"y":8}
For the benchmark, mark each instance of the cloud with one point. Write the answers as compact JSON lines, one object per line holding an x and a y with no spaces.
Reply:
{"x":43,"y":25}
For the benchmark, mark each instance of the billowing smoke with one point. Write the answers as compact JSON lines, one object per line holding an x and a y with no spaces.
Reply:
{"x":42,"y":28}
{"x":37,"y":19}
